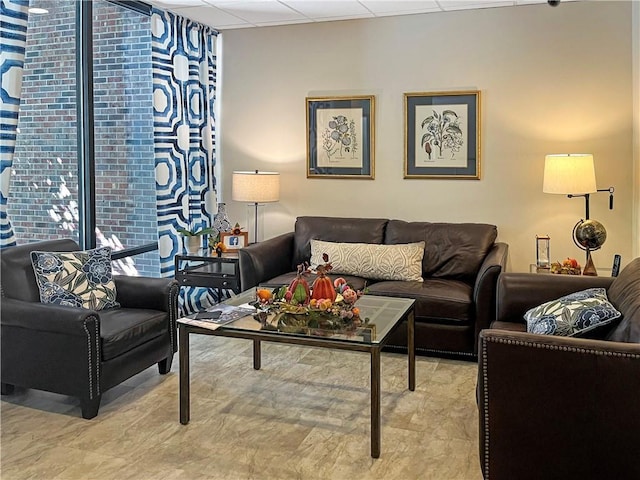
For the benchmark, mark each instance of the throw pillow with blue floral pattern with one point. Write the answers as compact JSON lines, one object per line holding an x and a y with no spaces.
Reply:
{"x":76,"y":279}
{"x":573,"y":314}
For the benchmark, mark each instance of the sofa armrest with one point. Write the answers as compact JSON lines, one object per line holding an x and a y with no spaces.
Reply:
{"x":484,"y":290}
{"x":518,"y":292}
{"x":265,"y":260}
{"x":557,"y":407}
{"x":147,"y":292}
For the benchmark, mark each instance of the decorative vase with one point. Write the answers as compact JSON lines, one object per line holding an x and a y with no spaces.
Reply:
{"x":221,"y":221}
{"x":193,"y":243}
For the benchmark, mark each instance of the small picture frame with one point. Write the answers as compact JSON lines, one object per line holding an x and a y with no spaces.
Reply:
{"x":232,"y":242}
{"x":340,"y":137}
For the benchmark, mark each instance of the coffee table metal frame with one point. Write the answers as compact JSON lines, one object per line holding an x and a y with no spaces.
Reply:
{"x":258,"y":336}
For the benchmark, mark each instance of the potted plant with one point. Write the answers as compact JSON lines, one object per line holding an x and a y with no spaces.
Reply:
{"x":193,"y":238}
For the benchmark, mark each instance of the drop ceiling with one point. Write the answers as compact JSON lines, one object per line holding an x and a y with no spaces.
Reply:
{"x":232,"y":14}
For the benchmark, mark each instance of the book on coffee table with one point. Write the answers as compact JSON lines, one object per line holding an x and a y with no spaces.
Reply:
{"x":218,"y":315}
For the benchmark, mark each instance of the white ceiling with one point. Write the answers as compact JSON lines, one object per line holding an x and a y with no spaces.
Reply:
{"x":230,"y":14}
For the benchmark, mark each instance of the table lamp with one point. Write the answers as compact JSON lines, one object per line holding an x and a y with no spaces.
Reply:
{"x":255,"y":187}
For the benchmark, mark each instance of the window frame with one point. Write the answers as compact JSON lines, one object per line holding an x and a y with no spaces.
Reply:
{"x":86,"y":127}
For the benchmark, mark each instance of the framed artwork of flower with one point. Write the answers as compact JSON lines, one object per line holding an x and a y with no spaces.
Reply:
{"x":340,"y":137}
{"x":442,"y":135}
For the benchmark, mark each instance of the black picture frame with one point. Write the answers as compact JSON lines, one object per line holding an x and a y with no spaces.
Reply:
{"x":340,"y":137}
{"x":442,"y":135}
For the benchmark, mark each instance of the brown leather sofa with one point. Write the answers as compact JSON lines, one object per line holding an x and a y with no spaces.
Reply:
{"x":460,"y":267}
{"x":555,"y":407}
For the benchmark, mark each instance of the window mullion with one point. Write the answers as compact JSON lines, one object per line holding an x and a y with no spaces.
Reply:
{"x":85,"y":125}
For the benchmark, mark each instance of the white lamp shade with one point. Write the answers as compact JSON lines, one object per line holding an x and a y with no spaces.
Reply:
{"x":255,"y":187}
{"x":572,"y":173}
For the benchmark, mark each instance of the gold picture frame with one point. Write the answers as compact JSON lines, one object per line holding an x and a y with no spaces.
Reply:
{"x":442,"y":135}
{"x":341,"y":137}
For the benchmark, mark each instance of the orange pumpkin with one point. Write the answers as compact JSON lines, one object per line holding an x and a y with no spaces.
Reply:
{"x":323,"y":288}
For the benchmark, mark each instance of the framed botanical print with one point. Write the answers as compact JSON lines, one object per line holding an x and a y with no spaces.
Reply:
{"x":442,"y":135}
{"x":340,"y":137}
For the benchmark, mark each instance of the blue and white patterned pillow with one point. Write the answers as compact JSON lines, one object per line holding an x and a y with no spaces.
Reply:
{"x":573,"y":314}
{"x":76,"y":279}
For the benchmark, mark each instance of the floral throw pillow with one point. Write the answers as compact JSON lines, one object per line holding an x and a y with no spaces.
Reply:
{"x":572,"y":315}
{"x":76,"y":279}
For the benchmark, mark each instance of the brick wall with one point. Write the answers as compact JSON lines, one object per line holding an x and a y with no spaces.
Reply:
{"x":44,"y":190}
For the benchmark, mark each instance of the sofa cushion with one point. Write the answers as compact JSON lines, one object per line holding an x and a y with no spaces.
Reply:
{"x":334,"y":229}
{"x":572,"y":315}
{"x":624,"y":293}
{"x":370,"y":260}
{"x":439,"y":300}
{"x":452,"y":250}
{"x":123,"y":329}
{"x":78,"y":279}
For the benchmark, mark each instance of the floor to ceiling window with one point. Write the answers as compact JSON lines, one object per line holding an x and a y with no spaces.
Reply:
{"x":45,"y":198}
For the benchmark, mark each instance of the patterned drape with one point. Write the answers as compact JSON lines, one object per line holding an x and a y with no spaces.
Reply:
{"x":13,"y":32}
{"x":184,"y":87}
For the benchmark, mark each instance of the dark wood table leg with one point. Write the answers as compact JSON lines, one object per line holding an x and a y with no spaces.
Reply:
{"x":257,"y":356}
{"x":375,"y":402}
{"x":411,"y":348}
{"x":183,"y":354}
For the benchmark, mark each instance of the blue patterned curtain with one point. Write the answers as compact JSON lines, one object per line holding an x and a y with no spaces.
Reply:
{"x":13,"y":32}
{"x":184,"y":87}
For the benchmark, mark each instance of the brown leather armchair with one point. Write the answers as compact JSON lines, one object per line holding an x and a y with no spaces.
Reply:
{"x":76,"y":351}
{"x":554,"y":407}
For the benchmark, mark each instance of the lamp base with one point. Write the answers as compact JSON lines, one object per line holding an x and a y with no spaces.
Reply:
{"x":589,"y":267}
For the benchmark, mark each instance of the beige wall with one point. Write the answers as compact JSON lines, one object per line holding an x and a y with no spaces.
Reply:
{"x":553,"y":80}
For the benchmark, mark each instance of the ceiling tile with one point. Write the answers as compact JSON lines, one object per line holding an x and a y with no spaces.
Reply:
{"x":392,"y":7}
{"x":473,"y":4}
{"x":259,"y":11}
{"x":178,"y":3}
{"x":330,"y":8}
{"x":210,"y":16}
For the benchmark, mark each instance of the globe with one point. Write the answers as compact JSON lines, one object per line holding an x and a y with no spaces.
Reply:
{"x":589,"y":234}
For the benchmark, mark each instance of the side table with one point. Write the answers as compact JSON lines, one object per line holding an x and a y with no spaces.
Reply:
{"x":204,"y":269}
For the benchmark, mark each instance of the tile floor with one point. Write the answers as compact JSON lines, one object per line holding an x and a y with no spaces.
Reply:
{"x":304,"y":415}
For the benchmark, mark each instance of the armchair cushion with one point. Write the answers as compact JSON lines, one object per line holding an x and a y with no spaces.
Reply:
{"x":123,"y":329}
{"x":572,"y":315}
{"x":76,"y":279}
{"x":370,"y":260}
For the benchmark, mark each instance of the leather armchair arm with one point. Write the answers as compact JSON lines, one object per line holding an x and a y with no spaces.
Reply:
{"x":49,"y":318}
{"x":51,"y":347}
{"x":265,"y":260}
{"x":572,"y":400}
{"x":518,"y":292}
{"x":484,"y":291}
{"x":146,"y":292}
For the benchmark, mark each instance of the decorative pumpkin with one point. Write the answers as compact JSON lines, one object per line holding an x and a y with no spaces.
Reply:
{"x":299,"y":287}
{"x":323,"y":288}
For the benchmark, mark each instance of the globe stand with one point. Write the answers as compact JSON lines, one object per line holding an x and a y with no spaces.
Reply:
{"x":589,"y":268}
{"x":589,"y":235}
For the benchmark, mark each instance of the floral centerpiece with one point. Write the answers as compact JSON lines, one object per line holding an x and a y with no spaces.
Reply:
{"x":323,"y":308}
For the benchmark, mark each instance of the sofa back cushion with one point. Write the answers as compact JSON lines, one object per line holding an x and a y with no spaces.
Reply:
{"x":334,"y":229}
{"x":452,"y":250}
{"x":18,"y":279}
{"x":624,"y":293}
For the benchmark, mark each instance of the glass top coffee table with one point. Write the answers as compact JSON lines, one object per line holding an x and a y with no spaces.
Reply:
{"x":385,"y":315}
